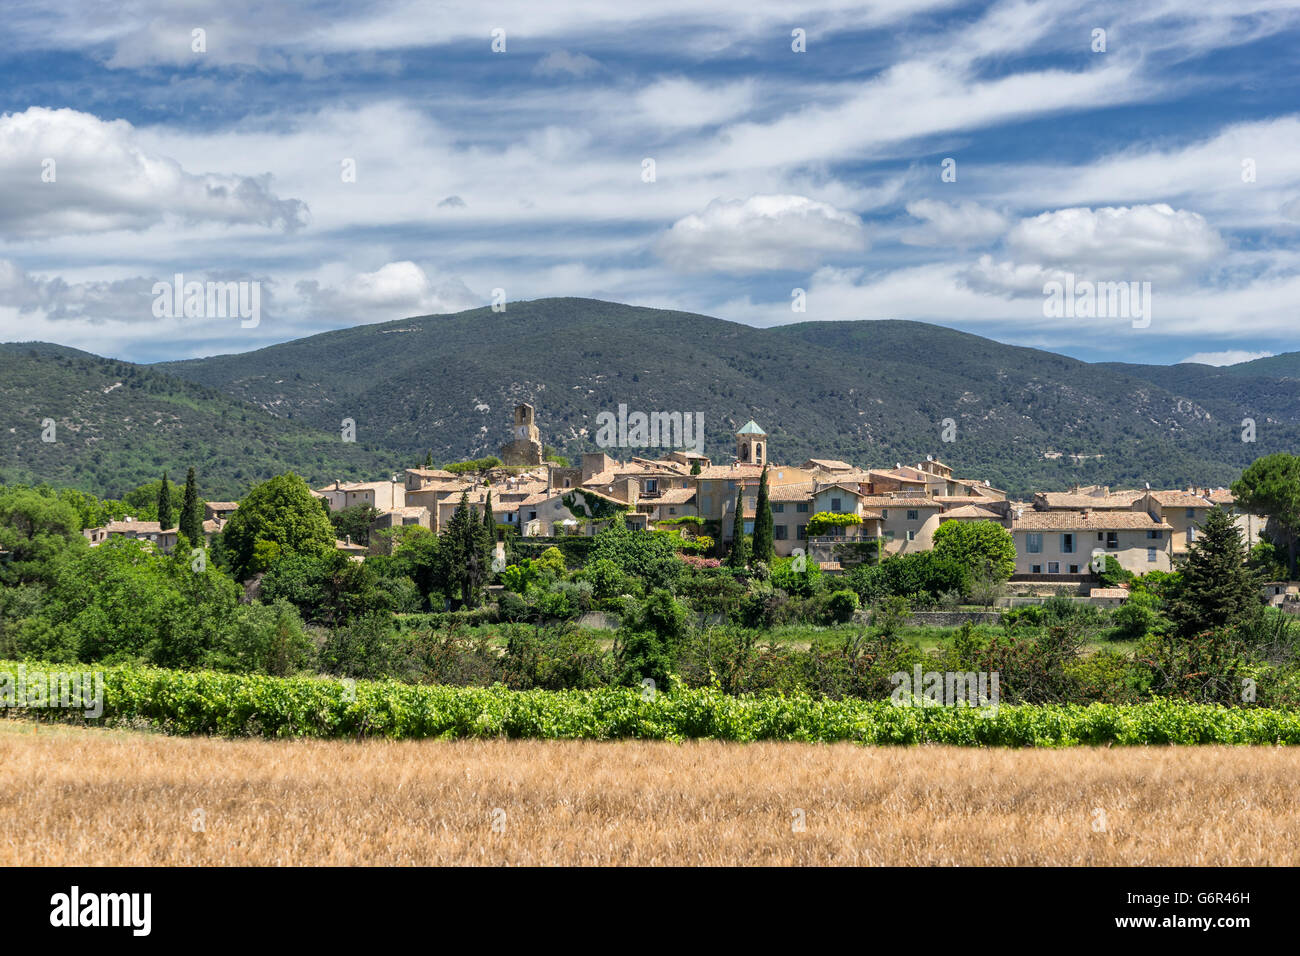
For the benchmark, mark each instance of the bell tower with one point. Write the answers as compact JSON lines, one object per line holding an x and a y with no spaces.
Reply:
{"x":751,"y":444}
{"x":525,"y":448}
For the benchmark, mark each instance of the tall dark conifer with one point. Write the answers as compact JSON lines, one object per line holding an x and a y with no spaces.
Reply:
{"x":165,"y":515}
{"x":764,"y":546}
{"x":738,"y":556}
{"x":191,"y":521}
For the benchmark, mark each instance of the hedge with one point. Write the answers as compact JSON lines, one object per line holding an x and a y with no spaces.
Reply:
{"x":207,"y":702}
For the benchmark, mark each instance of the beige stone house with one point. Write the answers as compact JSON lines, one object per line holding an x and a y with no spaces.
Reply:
{"x":1060,"y":541}
{"x":151,"y":531}
{"x":382,"y":495}
{"x":1183,"y":511}
{"x":907,"y":521}
{"x":403,"y":517}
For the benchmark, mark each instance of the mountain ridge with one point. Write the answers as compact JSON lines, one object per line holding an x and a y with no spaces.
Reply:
{"x":871,"y":391}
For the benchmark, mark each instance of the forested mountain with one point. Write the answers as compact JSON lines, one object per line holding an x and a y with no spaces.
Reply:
{"x":872,"y":392}
{"x":118,"y":425}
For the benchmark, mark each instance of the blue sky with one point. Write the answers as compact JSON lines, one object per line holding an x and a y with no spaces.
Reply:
{"x":1170,"y":157}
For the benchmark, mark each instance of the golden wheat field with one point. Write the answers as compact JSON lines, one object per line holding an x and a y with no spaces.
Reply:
{"x":89,"y":796}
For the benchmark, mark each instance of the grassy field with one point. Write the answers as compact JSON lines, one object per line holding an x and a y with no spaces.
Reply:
{"x":77,"y":796}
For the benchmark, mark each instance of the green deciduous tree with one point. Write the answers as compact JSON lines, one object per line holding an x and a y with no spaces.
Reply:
{"x":1270,"y":486}
{"x":278,"y":517}
{"x":35,"y":530}
{"x":981,"y":546}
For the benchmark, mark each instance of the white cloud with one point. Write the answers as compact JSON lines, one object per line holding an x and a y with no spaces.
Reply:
{"x":957,"y":224}
{"x":393,"y":291}
{"x":1142,"y":242}
{"x":760,"y":233}
{"x":1229,"y":357}
{"x":103,"y":180}
{"x":566,"y":63}
{"x":678,"y":102}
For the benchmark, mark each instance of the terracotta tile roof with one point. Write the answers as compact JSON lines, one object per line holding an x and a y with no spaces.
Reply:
{"x":408,"y":511}
{"x":729,"y":472}
{"x":830,"y":464}
{"x":910,"y":501}
{"x":223,"y":505}
{"x":841,"y":486}
{"x":972,"y":513}
{"x":1180,"y":499}
{"x":431,"y":472}
{"x":1221,"y":496}
{"x":673,"y":496}
{"x":798,"y":491}
{"x":1070,"y":500}
{"x":138,"y":527}
{"x":1103,"y":520}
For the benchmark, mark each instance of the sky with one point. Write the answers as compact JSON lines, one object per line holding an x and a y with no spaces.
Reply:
{"x":765,"y":162}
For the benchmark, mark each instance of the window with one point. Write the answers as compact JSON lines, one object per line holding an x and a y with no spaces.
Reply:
{"x":1074,"y":569}
{"x":1151,"y":555}
{"x":532,"y":516}
{"x":1191,"y":534}
{"x":1035,"y":569}
{"x":884,"y":515}
{"x":1053,"y":567}
{"x":911,"y":536}
{"x":801,"y":507}
{"x":1155,"y":535}
{"x":672,"y":511}
{"x":913,"y":515}
{"x":778,"y":507}
{"x":1112,"y":540}
{"x":1099,"y":535}
{"x":651,"y":485}
{"x":749,"y":527}
{"x":779,"y":532}
{"x":801,"y":532}
{"x":835,"y":503}
{"x":1191,"y":512}
{"x":706,"y":503}
{"x":1067,"y":544}
{"x":1034,"y":542}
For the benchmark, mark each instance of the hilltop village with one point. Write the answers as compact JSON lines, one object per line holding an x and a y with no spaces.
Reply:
{"x":889,"y":509}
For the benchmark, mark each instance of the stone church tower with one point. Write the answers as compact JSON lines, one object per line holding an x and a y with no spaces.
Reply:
{"x":526,"y":448}
{"x":751,"y":444}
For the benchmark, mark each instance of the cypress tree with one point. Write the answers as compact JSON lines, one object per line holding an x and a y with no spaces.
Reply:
{"x":191,"y":523}
{"x":764,"y":548}
{"x":737,"y":557}
{"x":1217,"y":590}
{"x":165,"y":515}
{"x":428,"y":460}
{"x":489,"y":519}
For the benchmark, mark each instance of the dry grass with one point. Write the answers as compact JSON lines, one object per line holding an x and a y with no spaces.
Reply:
{"x":87,"y":797}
